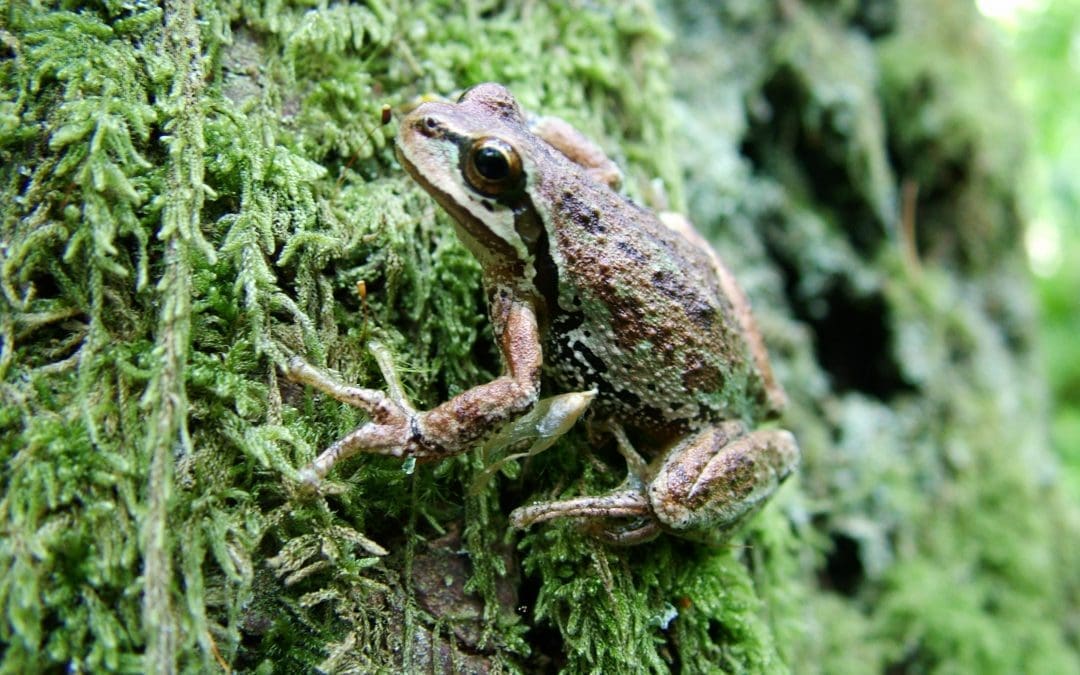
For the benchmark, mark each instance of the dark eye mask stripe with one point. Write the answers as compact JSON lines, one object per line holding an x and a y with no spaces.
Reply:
{"x":476,"y":229}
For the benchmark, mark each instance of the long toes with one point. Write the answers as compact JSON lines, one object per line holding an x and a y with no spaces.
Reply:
{"x":639,"y":531}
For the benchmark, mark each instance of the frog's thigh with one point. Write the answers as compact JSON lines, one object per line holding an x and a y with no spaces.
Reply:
{"x":578,"y":148}
{"x":717,"y":477}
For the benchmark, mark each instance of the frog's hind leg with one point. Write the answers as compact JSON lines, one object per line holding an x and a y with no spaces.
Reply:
{"x":601,"y":515}
{"x":628,"y":501}
{"x":578,"y":148}
{"x":714,"y":480}
{"x":643,"y":530}
{"x":619,"y":504}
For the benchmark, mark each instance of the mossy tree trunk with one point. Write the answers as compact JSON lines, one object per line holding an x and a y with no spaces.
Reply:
{"x":195,"y":191}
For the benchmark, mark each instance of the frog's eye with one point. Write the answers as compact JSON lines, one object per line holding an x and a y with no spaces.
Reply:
{"x":492,"y":167}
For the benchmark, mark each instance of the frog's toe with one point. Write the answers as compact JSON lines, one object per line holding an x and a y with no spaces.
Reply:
{"x":637,"y":531}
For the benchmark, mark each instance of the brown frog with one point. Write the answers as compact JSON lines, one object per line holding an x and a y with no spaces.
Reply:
{"x":629,"y":311}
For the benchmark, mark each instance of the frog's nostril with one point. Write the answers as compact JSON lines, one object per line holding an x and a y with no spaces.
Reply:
{"x":428,"y":125}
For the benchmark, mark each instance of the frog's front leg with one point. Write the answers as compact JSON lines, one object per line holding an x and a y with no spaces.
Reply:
{"x":397,"y":429}
{"x":703,"y":488}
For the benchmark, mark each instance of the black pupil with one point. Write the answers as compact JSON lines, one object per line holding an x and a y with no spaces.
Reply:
{"x":491,"y":163}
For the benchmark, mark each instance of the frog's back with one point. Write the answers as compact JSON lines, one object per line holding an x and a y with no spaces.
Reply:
{"x":644,"y":317}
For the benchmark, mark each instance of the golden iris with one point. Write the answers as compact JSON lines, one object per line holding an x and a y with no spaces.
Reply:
{"x":492,"y":167}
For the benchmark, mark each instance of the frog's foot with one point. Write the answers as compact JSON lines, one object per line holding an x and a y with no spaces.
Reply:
{"x":397,"y":429}
{"x":392,"y":429}
{"x":599,"y":513}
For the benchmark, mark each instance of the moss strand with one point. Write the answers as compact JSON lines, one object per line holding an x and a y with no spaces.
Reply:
{"x":166,"y":395}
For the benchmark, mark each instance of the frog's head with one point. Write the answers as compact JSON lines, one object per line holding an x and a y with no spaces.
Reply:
{"x":475,"y":157}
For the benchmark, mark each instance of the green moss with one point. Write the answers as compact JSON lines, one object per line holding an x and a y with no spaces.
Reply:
{"x":192,"y":193}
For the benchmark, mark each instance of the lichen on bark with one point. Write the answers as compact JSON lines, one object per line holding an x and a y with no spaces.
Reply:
{"x":194,"y":191}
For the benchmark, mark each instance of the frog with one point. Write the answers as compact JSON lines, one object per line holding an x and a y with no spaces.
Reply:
{"x":628,"y":312}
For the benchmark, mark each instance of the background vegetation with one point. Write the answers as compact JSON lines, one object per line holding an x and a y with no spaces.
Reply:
{"x":191,"y":192}
{"x":1045,"y":40}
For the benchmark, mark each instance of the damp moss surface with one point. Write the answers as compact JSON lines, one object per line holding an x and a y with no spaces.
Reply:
{"x":191,"y":193}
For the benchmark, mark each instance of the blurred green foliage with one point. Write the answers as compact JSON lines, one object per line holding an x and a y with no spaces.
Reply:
{"x":1046,"y":45}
